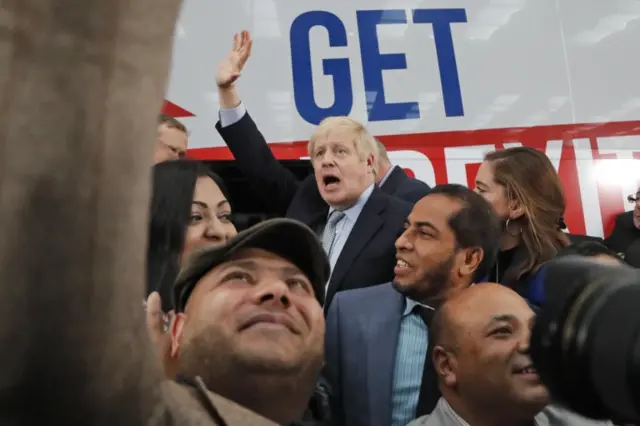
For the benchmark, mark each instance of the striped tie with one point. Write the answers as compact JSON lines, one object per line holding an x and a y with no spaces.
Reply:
{"x":329,"y":233}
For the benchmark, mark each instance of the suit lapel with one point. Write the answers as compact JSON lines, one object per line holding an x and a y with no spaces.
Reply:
{"x":363,"y":230}
{"x":382,"y":339}
{"x":394,"y":180}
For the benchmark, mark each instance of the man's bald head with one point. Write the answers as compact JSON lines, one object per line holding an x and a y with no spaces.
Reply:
{"x":481,"y":349}
{"x":465,"y":309}
{"x":382,"y":153}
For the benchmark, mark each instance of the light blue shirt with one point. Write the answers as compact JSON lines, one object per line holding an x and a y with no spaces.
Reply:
{"x":413,"y":342}
{"x":229,"y":117}
{"x":345,"y":225}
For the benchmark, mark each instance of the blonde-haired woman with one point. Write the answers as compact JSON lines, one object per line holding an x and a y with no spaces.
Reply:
{"x":526,"y":195}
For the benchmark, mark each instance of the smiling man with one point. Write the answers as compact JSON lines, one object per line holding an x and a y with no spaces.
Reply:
{"x":250,"y":322}
{"x":481,"y":356}
{"x":377,"y":337}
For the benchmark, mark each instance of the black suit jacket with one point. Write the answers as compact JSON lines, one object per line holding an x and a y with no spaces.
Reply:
{"x":368,"y":257}
{"x":406,"y":188}
{"x":624,"y":233}
{"x":577,"y":239}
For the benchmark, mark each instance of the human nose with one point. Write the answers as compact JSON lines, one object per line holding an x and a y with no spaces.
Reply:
{"x":215,"y":230}
{"x":273,"y":290}
{"x":524,"y":342}
{"x":403,"y":243}
{"x":327,"y":159}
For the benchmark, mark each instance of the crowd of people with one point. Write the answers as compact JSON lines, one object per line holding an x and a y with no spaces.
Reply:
{"x":373,"y":300}
{"x":398,"y":251}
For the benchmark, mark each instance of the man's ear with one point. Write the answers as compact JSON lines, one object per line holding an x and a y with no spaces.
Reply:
{"x":177,"y":327}
{"x":372,"y":165}
{"x":471,"y":261}
{"x":445,"y":365}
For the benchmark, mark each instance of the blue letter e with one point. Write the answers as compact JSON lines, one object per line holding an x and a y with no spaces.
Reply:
{"x":373,"y":63}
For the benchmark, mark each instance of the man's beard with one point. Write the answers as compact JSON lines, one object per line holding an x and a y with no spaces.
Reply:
{"x":216,"y":361}
{"x":249,"y":378}
{"x":432,"y":285}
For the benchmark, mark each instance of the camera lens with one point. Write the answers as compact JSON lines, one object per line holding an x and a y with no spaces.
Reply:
{"x":586,"y":340}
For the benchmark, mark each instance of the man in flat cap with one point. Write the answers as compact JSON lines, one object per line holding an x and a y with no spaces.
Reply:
{"x":249,"y":318}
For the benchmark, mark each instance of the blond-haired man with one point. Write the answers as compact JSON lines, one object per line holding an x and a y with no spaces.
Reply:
{"x":356,"y":221}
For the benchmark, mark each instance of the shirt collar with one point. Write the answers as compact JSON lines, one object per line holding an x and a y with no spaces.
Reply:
{"x":410,"y":304}
{"x":538,"y":420}
{"x":353,"y":212}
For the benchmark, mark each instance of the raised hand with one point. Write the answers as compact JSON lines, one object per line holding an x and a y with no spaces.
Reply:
{"x":230,"y":68}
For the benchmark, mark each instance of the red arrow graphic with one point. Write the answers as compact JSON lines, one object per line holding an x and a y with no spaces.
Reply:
{"x":175,"y":111}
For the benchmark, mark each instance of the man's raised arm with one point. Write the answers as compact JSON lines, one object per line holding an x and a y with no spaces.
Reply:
{"x":81,"y":83}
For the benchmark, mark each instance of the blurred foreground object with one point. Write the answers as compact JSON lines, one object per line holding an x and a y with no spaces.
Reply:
{"x":586,"y":340}
{"x":81,"y":83}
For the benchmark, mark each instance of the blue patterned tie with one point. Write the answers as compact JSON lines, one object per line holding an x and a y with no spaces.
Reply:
{"x":329,"y":234}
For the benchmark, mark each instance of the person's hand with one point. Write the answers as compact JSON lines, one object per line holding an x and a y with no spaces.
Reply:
{"x":230,"y":68}
{"x":157,"y":326}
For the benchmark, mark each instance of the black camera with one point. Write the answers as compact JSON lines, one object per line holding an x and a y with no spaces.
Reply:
{"x":585,"y":343}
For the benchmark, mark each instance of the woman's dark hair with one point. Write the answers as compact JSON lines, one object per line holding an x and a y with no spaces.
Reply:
{"x":173,"y":188}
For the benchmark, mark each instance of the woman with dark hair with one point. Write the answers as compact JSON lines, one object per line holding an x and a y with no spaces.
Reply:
{"x":526,"y":195}
{"x":189,"y":210}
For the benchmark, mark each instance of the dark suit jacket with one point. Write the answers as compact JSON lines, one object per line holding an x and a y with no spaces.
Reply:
{"x":278,"y":187}
{"x":400,"y":185}
{"x":577,"y":239}
{"x":624,"y":233}
{"x":368,"y":257}
{"x":362,"y":333}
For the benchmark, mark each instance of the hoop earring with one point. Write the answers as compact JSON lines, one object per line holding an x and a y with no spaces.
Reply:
{"x":506,"y":227}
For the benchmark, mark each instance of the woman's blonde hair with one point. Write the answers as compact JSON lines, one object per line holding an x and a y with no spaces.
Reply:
{"x":531,"y":181}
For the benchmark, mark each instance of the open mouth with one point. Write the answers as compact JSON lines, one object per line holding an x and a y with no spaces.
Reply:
{"x":528,"y":370}
{"x":330,"y":181}
{"x":402,"y":267}
{"x":402,"y":264}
